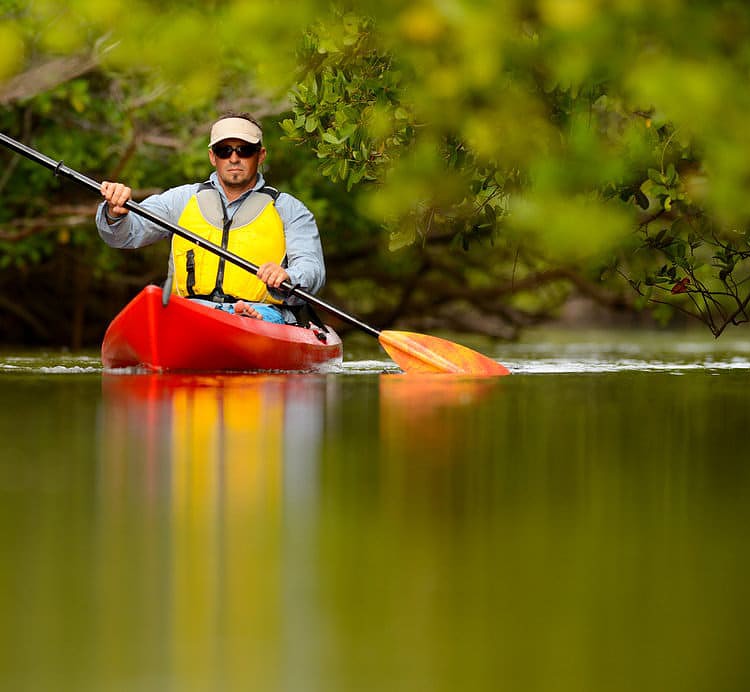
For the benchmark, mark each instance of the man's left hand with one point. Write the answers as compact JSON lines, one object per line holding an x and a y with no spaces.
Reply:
{"x":272,"y":274}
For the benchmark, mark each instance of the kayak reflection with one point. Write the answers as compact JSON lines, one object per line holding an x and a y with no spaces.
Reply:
{"x":203,"y":423}
{"x":195,"y":472}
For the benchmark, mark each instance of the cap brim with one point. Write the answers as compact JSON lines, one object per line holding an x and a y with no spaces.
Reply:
{"x":235,"y":128}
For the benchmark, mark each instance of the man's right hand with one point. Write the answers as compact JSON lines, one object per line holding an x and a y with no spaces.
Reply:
{"x":116,"y":194}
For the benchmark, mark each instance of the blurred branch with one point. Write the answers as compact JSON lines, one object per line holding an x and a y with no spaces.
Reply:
{"x":23,"y":228}
{"x":58,"y":217}
{"x":52,"y":73}
{"x":44,"y":77}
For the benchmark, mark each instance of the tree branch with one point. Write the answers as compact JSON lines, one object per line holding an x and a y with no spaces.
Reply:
{"x":46,"y":76}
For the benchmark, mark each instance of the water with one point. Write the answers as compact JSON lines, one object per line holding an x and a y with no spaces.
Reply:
{"x":580,"y":525}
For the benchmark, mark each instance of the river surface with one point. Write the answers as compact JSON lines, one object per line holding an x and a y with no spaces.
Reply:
{"x":580,"y":525}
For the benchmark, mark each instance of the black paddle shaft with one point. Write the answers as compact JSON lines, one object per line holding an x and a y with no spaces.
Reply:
{"x":61,"y":170}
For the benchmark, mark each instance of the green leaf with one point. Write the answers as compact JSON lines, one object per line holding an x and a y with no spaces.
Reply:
{"x":491,"y":214}
{"x":355,"y":176}
{"x":671,"y":176}
{"x":347,"y":131}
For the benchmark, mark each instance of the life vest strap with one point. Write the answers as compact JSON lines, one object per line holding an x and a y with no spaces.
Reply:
{"x":215,"y":297}
{"x":270,"y":191}
{"x":305,"y":315}
{"x":190,"y":267}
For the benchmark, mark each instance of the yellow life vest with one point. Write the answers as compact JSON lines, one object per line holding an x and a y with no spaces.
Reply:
{"x":255,"y":233}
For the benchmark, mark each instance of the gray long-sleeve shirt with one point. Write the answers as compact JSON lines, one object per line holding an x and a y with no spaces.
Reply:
{"x":304,"y":252}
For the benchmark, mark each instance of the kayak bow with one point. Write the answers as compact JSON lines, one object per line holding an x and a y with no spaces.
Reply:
{"x":185,"y":335}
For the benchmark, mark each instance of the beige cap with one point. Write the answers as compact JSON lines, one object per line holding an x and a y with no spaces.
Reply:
{"x":235,"y":128}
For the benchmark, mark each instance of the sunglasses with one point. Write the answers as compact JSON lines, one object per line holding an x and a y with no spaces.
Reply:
{"x":244,"y":151}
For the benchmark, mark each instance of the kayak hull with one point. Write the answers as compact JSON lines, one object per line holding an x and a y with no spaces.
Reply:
{"x":187,"y":336}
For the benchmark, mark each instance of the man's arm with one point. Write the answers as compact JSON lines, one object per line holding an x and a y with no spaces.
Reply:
{"x":305,"y":263}
{"x":121,"y":229}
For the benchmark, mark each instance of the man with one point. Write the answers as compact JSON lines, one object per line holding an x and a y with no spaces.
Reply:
{"x":234,"y":209}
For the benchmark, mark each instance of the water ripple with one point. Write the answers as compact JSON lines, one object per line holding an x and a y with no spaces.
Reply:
{"x":528,"y":359}
{"x":565,"y":365}
{"x":47,"y":364}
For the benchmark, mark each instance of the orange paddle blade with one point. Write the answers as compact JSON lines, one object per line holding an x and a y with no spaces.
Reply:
{"x":430,"y":354}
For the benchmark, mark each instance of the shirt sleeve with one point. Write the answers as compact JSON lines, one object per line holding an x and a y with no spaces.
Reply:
{"x":132,"y":230}
{"x":305,"y":264}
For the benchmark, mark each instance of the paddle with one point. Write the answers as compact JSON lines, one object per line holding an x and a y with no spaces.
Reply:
{"x":412,"y":352}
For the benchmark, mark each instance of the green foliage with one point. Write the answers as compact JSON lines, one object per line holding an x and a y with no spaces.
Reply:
{"x":346,"y":105}
{"x":593,"y":125}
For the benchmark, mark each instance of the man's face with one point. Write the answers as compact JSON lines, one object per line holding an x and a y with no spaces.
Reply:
{"x":237,"y":173}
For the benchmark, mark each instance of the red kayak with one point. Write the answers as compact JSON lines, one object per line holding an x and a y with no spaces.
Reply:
{"x":185,"y":335}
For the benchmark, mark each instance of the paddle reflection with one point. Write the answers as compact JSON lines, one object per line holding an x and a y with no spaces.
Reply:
{"x":193,"y":478}
{"x":431,"y":415}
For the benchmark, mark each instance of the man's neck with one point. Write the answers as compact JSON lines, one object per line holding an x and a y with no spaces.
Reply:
{"x":234,"y":193}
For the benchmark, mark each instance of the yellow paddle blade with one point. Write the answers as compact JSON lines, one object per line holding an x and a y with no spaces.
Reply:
{"x":419,"y":353}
